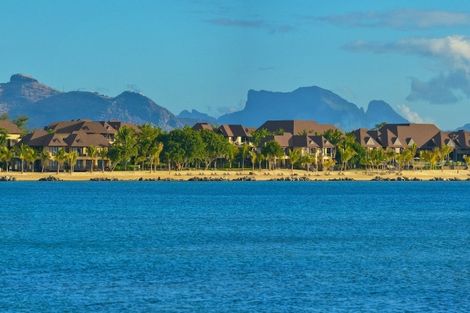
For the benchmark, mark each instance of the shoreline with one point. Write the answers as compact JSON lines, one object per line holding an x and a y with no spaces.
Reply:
{"x":238,"y":175}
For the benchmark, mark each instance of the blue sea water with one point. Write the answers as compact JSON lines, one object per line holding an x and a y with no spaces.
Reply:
{"x":235,"y":247}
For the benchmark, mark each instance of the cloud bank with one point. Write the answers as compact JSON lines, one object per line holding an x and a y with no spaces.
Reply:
{"x":452,"y":51}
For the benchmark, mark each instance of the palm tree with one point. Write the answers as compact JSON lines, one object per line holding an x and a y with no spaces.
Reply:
{"x":345,"y":154}
{"x":155,"y":152}
{"x":31,"y":156}
{"x":294,"y":157}
{"x":328,"y":163}
{"x":466,"y":158}
{"x":244,"y":150}
{"x":93,"y":154}
{"x":22,"y":152}
{"x":72,"y":159}
{"x":253,"y":156}
{"x":44,"y":156}
{"x":103,"y":154}
{"x":60,"y":157}
{"x":5,"y":156}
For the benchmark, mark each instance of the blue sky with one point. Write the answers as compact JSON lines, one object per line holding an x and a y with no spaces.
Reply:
{"x":206,"y":54}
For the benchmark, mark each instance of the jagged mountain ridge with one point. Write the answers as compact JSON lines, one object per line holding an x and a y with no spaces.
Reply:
{"x":24,"y":95}
{"x":314,"y":103}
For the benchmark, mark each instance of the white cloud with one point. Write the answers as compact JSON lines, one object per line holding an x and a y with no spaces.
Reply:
{"x":400,"y":19}
{"x":409,"y":114}
{"x":453,"y":52}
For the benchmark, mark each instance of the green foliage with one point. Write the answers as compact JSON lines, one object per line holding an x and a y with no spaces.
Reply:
{"x":3,"y":137}
{"x":215,"y":147}
{"x":124,"y":147}
{"x":6,"y":155}
{"x":60,"y":157}
{"x":258,"y":135}
{"x":294,"y":157}
{"x":272,"y":151}
{"x":183,"y":146}
{"x":21,"y":122}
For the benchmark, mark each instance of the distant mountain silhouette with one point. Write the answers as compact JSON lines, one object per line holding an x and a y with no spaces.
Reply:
{"x":24,"y":95}
{"x":192,"y":117}
{"x":379,"y":111}
{"x":311,"y":103}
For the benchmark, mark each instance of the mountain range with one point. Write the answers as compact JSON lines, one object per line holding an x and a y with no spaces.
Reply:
{"x":24,"y":95}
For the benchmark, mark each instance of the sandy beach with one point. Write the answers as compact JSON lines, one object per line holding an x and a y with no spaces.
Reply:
{"x":356,"y":175}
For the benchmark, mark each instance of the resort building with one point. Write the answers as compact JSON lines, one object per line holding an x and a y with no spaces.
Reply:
{"x":424,"y":136}
{"x":13,"y":132}
{"x":236,"y":134}
{"x":78,"y":141}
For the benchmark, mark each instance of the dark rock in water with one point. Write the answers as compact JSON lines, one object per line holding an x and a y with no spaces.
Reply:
{"x":207,"y":179}
{"x":103,"y":179}
{"x":291,"y":178}
{"x":246,"y":178}
{"x":50,"y":178}
{"x":7,"y":178}
{"x":150,"y":179}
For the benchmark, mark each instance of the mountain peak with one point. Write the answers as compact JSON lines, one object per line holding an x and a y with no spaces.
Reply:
{"x":22,"y":79}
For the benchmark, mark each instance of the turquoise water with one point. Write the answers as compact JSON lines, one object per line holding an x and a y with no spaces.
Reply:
{"x":235,"y":247}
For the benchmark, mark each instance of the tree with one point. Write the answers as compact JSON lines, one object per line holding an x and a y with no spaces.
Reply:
{"x":328,"y":164}
{"x":93,"y":154}
{"x":31,"y":156}
{"x":231,"y":153}
{"x":272,"y":151}
{"x":466,"y":159}
{"x":307,"y":160}
{"x":445,"y":151}
{"x":253,"y":157}
{"x":60,"y":157}
{"x":294,"y":157}
{"x":3,"y":137}
{"x":146,"y":142}
{"x":258,"y":135}
{"x":21,"y":122}
{"x":72,"y":159}
{"x":22,"y":152}
{"x":103,"y":154}
{"x":5,"y":156}
{"x":44,"y":156}
{"x":345,"y":154}
{"x":244,"y":150}
{"x":125,"y":145}
{"x":215,"y":147}
{"x":155,"y":152}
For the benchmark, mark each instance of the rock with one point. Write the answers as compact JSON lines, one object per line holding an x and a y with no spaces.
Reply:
{"x":7,"y":178}
{"x":50,"y":178}
{"x":103,"y":179}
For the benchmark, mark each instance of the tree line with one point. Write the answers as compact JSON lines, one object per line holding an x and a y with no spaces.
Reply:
{"x":150,"y":148}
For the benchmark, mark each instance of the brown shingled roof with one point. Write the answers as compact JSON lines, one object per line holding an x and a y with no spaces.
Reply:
{"x":230,"y":130}
{"x":10,"y":127}
{"x":296,"y":127}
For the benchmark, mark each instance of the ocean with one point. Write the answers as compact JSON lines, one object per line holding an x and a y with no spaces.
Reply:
{"x":235,"y":247}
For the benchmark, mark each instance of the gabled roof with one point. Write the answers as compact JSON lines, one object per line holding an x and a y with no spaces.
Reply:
{"x":81,"y":139}
{"x":43,"y":138}
{"x":296,"y":127}
{"x":301,"y":141}
{"x":231,"y":130}
{"x":87,"y":126}
{"x":366,"y":138}
{"x":321,"y":141}
{"x":283,"y":140}
{"x":10,"y":127}
{"x":461,"y":138}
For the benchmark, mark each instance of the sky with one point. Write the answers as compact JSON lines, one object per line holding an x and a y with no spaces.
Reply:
{"x":207,"y":54}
